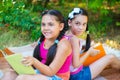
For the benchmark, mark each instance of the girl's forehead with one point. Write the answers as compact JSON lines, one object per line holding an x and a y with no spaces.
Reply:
{"x":49,"y":17}
{"x":80,"y":18}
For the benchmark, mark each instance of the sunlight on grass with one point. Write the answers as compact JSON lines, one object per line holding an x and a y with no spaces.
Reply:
{"x":12,"y":38}
{"x":113,"y":43}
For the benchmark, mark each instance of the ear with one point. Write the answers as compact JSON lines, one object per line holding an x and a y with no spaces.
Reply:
{"x":61,"y":26}
{"x":69,"y":22}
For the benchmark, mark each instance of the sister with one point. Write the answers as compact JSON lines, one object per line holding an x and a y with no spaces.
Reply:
{"x":52,"y":55}
{"x":78,"y":23}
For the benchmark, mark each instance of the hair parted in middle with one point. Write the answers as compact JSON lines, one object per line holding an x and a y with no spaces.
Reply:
{"x":52,"y":50}
{"x":81,"y":11}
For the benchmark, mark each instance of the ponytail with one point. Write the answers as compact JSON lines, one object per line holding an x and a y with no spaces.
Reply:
{"x":53,"y":49}
{"x":88,"y":40}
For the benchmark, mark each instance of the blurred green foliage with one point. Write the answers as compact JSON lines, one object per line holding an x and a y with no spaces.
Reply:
{"x":24,"y":15}
{"x":14,"y":14}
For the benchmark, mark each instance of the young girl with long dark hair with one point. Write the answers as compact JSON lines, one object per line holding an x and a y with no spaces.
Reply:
{"x":52,"y":55}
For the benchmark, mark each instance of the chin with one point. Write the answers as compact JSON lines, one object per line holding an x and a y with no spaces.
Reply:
{"x":79,"y":34}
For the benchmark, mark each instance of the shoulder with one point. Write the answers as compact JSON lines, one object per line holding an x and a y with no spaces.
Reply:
{"x":74,"y":39}
{"x":64,"y":43}
{"x":64,"y":46}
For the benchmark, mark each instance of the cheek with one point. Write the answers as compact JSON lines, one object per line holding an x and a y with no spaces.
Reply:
{"x":41,"y":29}
{"x":74,"y":30}
{"x":85,"y":28}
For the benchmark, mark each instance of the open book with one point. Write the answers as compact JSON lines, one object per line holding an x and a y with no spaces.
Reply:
{"x":15,"y":62}
{"x":92,"y":59}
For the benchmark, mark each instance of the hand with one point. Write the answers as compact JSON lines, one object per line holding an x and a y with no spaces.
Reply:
{"x":93,"y":51}
{"x":34,"y":44}
{"x":28,"y":61}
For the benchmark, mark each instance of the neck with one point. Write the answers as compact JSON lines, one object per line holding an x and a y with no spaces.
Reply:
{"x":69,"y":33}
{"x":83,"y":36}
{"x":48,"y":43}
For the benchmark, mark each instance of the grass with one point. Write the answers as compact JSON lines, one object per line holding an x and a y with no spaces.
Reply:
{"x":13,"y":37}
{"x":10,"y":38}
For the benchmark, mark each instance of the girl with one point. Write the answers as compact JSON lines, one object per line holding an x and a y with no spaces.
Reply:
{"x":78,"y":23}
{"x":52,"y":55}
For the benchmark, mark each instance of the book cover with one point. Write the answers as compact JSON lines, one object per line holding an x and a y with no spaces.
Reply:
{"x":92,"y":59}
{"x":15,"y":61}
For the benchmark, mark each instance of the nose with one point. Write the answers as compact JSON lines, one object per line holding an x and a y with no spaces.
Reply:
{"x":80,"y":26}
{"x":45,"y":27}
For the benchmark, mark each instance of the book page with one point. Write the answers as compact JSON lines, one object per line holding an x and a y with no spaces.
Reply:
{"x":15,"y":61}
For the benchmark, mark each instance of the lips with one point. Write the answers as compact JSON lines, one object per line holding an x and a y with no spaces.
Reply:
{"x":79,"y":31}
{"x":46,"y":33}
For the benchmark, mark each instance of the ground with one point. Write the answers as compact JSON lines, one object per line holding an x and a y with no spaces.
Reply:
{"x":113,"y":40}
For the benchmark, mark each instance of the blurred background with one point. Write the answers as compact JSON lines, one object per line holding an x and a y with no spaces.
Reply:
{"x":20,"y":19}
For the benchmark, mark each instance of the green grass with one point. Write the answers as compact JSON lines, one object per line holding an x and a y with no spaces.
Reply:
{"x":13,"y":37}
{"x":10,"y":38}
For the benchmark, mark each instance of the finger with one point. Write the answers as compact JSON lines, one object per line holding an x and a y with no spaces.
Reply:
{"x":26,"y":62}
{"x":23,"y":60}
{"x":29,"y":64}
{"x":98,"y":51}
{"x":26,"y":57}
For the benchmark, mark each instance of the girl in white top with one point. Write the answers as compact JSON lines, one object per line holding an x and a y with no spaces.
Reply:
{"x":78,"y":23}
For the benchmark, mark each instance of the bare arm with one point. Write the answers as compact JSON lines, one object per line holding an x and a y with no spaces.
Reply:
{"x":77,"y":58}
{"x":63,"y":50}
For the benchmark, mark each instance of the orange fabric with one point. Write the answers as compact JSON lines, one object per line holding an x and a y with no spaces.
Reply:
{"x":64,"y":76}
{"x":7,"y":51}
{"x":1,"y":55}
{"x":92,"y":59}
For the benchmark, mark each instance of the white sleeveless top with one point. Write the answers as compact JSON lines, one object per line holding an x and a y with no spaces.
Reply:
{"x":76,"y":70}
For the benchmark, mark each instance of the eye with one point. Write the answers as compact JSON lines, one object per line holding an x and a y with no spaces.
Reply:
{"x":85,"y":24}
{"x":42,"y":24}
{"x":77,"y":23}
{"x":50,"y":24}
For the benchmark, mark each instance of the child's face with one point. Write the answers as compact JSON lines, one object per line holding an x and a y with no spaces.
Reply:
{"x":50,"y":27}
{"x":78,"y":24}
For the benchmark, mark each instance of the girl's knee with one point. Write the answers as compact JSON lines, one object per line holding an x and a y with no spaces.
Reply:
{"x":21,"y":77}
{"x":111,"y":57}
{"x":9,"y":75}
